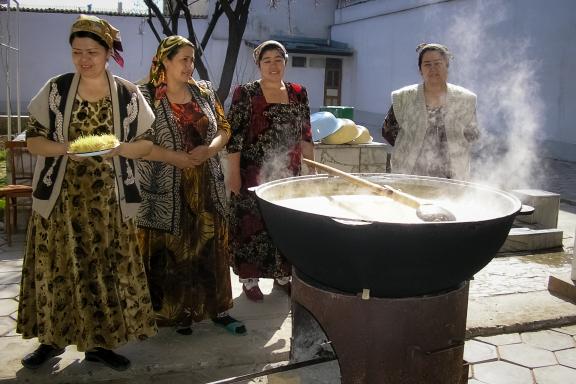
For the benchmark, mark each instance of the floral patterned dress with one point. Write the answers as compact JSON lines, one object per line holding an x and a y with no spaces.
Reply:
{"x":189,"y":272}
{"x":83,"y":279}
{"x":433,"y":159}
{"x":268,"y":137}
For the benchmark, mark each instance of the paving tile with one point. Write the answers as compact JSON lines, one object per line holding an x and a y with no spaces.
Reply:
{"x":15,"y":253}
{"x":501,"y":372}
{"x":567,"y":357}
{"x":11,"y":265}
{"x":7,"y":325}
{"x":9,"y":291}
{"x":555,"y":375}
{"x":10,"y":277}
{"x":477,"y":352}
{"x":527,"y":355}
{"x":569,"y":330}
{"x":503,"y":339}
{"x":8,"y":306}
{"x":550,"y":340}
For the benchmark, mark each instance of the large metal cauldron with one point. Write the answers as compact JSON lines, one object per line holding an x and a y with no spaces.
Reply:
{"x":391,"y":259}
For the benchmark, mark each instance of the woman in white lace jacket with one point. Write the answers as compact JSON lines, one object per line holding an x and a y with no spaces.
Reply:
{"x":432,"y":125}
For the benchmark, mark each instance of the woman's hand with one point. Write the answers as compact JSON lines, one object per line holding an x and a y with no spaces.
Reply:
{"x":200,"y":154}
{"x":71,"y":156}
{"x":133,"y":150}
{"x":181,"y":160}
{"x":116,"y":151}
{"x":77,"y":158}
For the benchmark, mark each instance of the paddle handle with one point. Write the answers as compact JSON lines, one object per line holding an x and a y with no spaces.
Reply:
{"x":392,"y":193}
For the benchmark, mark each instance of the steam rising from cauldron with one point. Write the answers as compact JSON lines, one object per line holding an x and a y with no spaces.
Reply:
{"x":274,"y":167}
{"x":509,"y":108}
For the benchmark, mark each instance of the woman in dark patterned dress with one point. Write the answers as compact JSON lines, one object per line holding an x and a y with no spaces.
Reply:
{"x":182,"y":220}
{"x":83,"y":279}
{"x":271,"y":131}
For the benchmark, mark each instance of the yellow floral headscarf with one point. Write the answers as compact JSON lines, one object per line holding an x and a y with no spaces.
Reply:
{"x":102,"y":29}
{"x":157,"y":71}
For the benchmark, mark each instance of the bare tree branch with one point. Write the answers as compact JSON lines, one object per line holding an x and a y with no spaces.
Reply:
{"x":160,"y":16}
{"x":218,"y":11}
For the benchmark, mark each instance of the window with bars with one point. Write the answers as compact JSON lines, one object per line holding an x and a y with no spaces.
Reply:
{"x":299,"y":61}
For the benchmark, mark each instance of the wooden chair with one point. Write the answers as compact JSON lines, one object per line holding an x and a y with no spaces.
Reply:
{"x":20,"y":168}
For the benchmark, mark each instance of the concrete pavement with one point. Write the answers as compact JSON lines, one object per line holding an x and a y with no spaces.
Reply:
{"x":517,"y":331}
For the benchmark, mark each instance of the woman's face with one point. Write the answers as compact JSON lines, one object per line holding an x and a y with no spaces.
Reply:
{"x":434,"y":68}
{"x":181,"y":66}
{"x":89,"y":57}
{"x":272,"y":65}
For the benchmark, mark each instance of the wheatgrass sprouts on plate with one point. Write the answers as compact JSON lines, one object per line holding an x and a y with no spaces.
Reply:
{"x":93,"y":143}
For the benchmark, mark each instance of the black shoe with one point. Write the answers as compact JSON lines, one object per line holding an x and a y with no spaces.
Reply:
{"x":186,"y":331}
{"x":41,"y":355}
{"x":108,"y":358}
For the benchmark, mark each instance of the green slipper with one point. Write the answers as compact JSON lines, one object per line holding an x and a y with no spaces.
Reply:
{"x":232,"y":325}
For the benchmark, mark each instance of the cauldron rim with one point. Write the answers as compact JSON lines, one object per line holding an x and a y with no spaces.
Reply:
{"x":516,"y":204}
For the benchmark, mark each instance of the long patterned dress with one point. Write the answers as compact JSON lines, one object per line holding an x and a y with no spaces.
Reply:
{"x":83,"y":279}
{"x":268,"y":137}
{"x":189,"y":272}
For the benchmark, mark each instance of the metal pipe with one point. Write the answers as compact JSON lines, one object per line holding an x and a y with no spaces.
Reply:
{"x":574,"y":259}
{"x":18,"y":114}
{"x":282,"y":368}
{"x":8,"y":47}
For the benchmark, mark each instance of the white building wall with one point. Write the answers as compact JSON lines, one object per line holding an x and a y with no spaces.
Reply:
{"x":298,"y":18}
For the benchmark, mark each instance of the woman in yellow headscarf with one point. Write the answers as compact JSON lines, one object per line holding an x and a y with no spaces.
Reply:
{"x":83,"y":280}
{"x":182,"y":218}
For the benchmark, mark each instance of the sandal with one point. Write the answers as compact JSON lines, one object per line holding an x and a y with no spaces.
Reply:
{"x":254,"y":293}
{"x":108,"y":358}
{"x":286,"y":287}
{"x":232,"y":325}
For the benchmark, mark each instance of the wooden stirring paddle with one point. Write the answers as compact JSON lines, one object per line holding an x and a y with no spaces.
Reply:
{"x":426,"y":211}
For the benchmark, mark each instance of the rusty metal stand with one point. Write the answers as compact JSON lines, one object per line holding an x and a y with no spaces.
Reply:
{"x":386,"y":340}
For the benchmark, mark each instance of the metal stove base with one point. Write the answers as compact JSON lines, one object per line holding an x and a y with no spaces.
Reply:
{"x":380,"y":340}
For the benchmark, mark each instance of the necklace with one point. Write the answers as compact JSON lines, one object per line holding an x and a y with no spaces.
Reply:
{"x":179,"y":98}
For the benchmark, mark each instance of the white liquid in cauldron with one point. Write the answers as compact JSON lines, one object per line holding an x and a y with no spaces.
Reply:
{"x":383,"y":209}
{"x":354,"y":207}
